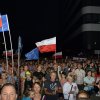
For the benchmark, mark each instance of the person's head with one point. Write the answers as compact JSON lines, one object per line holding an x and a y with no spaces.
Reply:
{"x":55,"y":67}
{"x":53,"y":76}
{"x":31,"y":94}
{"x":28,"y":74}
{"x":36,"y":87}
{"x":93,"y":74}
{"x":91,"y":64}
{"x":4,"y":75}
{"x":25,"y":68}
{"x":89,"y":73}
{"x":39,"y":68}
{"x":27,"y":93}
{"x":79,"y":66}
{"x":70,"y":78}
{"x":63,"y":75}
{"x":83,"y":95}
{"x":8,"y":92}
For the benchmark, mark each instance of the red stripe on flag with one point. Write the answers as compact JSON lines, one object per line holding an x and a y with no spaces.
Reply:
{"x":47,"y":48}
{"x":58,"y":56}
{"x":0,"y":22}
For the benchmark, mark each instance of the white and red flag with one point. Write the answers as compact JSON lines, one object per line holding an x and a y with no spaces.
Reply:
{"x":57,"y":55}
{"x":9,"y":53}
{"x":47,"y":45}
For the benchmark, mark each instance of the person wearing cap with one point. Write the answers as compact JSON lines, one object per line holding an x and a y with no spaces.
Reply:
{"x":28,"y":81}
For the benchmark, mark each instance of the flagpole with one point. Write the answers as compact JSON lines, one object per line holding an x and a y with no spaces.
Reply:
{"x":5,"y":47}
{"x":55,"y":56}
{"x":18,"y":60}
{"x":5,"y":50}
{"x":18,"y":68}
{"x":11,"y":45}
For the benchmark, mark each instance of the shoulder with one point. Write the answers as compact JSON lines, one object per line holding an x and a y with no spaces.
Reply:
{"x":66,"y":84}
{"x":74,"y":84}
{"x":83,"y":70}
{"x":85,"y":77}
{"x":76,"y":70}
{"x":92,"y":78}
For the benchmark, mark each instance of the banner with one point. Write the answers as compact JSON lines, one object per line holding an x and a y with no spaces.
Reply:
{"x":47,"y":45}
{"x":32,"y":55}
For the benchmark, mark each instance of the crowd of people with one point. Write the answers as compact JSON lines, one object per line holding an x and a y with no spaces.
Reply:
{"x":61,"y":79}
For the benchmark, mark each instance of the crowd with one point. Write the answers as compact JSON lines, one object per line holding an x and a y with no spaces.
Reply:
{"x":62,"y":79}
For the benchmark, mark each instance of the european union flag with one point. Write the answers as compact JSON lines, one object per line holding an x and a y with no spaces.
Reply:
{"x":5,"y":25}
{"x":32,"y":55}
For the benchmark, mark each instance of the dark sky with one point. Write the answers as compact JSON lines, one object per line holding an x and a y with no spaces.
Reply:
{"x":36,"y":20}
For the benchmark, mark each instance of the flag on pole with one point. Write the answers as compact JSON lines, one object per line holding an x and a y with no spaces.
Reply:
{"x":19,"y":43}
{"x":4,"y":26}
{"x":0,"y":21}
{"x":9,"y":53}
{"x":32,"y":55}
{"x":47,"y":45}
{"x":57,"y":55}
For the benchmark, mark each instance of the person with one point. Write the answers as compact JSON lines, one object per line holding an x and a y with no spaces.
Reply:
{"x":28,"y":81}
{"x":62,"y":80}
{"x":38,"y":73}
{"x":70,"y":89}
{"x":52,"y":87}
{"x":27,"y":95}
{"x":62,"y":77}
{"x":3,"y":79}
{"x":37,"y":92}
{"x":8,"y":92}
{"x":97,"y":88}
{"x":80,"y":74}
{"x":83,"y":95}
{"x":89,"y":82}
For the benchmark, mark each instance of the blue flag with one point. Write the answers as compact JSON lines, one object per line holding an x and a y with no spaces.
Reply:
{"x":5,"y":25}
{"x":32,"y":55}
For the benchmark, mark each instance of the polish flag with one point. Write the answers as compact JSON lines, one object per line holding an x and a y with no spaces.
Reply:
{"x":47,"y":45}
{"x":0,"y":22}
{"x":9,"y":53}
{"x":57,"y":55}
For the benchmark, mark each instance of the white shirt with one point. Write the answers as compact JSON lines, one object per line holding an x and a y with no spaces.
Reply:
{"x":80,"y":74}
{"x":67,"y":88}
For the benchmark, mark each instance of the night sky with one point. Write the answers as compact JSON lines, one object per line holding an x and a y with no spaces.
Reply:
{"x":35,"y":20}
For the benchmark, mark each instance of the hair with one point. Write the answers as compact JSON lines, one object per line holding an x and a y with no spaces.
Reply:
{"x":53,"y":72}
{"x":71,"y":76}
{"x":83,"y":95}
{"x":6,"y":85}
{"x":38,"y":83}
{"x":27,"y":93}
{"x":88,"y":71}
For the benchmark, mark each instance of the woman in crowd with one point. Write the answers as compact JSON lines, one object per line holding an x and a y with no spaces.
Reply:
{"x":27,"y":95}
{"x":70,"y":89}
{"x":89,"y":82}
{"x":37,"y":92}
{"x":3,"y":79}
{"x":28,"y":81}
{"x":8,"y":92}
{"x":62,"y":80}
{"x":38,"y":74}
